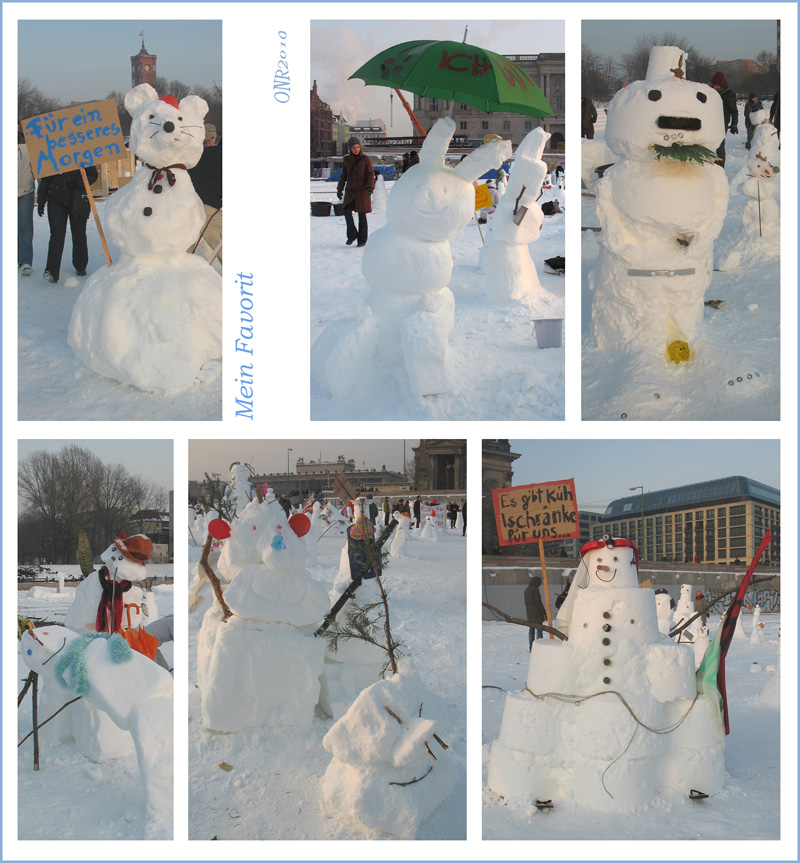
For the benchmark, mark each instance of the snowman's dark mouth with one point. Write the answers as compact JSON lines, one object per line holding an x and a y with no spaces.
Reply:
{"x":690,"y":124}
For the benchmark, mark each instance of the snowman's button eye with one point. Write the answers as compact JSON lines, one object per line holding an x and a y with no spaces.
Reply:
{"x":616,"y":558}
{"x":180,"y":118}
{"x":701,"y":97}
{"x":654,"y":95}
{"x":151,"y":117}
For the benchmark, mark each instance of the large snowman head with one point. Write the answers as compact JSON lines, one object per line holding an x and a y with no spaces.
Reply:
{"x":665,"y":109}
{"x":164,"y":131}
{"x":434,"y":202}
{"x":609,"y":562}
{"x":126,"y":557}
{"x":43,"y":644}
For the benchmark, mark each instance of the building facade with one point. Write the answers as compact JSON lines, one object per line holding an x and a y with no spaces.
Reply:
{"x":497,"y":472}
{"x":720,"y":521}
{"x":143,"y":67}
{"x":440,"y":465}
{"x":322,"y":143}
{"x":547,"y":70}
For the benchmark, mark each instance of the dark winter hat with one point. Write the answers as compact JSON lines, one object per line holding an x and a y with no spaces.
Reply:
{"x":752,"y":96}
{"x":719,"y":79}
{"x":352,"y":142}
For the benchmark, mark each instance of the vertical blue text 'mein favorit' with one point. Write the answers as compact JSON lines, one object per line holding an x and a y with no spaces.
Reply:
{"x":244,"y":345}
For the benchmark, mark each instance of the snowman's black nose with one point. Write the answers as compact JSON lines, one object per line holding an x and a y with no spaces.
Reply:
{"x":169,"y":126}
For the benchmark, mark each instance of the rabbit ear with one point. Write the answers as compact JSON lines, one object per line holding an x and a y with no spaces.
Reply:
{"x":438,"y":140}
{"x":532,"y":145}
{"x":489,"y":156}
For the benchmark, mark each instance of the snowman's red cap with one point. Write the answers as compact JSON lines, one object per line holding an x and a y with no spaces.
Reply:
{"x":170,"y":100}
{"x":137,"y":548}
{"x":611,"y":542}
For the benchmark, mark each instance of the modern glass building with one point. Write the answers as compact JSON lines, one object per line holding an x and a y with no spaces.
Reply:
{"x":717,"y":521}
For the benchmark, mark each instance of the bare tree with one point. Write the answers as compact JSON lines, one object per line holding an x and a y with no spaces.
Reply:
{"x":31,"y":101}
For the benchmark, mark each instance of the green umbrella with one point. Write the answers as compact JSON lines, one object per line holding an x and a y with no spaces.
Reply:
{"x":457,"y":72}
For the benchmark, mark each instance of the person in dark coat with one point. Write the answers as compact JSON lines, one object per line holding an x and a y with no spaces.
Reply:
{"x":464,"y":517}
{"x":775,"y":112}
{"x":417,"y":510}
{"x":730,"y":112}
{"x":534,"y":609}
{"x":66,"y":201}
{"x":413,"y":158}
{"x":356,"y":184}
{"x":206,"y":177}
{"x":588,"y":117}
{"x":753,"y":104}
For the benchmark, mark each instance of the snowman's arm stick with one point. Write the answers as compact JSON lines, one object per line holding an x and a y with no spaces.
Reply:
{"x":90,"y":196}
{"x":41,"y":724}
{"x":26,"y":687}
{"x":543,"y":626}
{"x":212,"y":577}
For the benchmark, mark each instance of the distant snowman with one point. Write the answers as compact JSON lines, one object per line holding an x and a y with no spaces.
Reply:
{"x":153,"y":318}
{"x":609,"y":719}
{"x":660,"y":207}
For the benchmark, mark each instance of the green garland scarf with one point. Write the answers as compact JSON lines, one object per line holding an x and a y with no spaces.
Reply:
{"x":685,"y":153}
{"x":74,"y":660}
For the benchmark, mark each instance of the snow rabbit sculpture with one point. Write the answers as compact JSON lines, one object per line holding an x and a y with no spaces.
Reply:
{"x":153,"y":319}
{"x":410,"y":309}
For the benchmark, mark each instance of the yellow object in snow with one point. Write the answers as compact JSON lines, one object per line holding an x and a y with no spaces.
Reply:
{"x":679,"y":352}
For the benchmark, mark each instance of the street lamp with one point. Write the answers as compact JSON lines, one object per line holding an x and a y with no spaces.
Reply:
{"x":641,"y":537}
{"x":288,"y":450}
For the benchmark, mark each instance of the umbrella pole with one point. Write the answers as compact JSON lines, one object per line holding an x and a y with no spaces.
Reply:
{"x":411,"y":114}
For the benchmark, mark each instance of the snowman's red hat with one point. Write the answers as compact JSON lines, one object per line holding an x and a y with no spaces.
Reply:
{"x":137,"y":548}
{"x":611,"y":542}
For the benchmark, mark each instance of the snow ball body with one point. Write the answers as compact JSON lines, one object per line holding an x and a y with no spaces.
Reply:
{"x":657,"y":216}
{"x":153,"y":319}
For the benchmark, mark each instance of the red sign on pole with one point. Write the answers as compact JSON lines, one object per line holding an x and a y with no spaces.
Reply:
{"x":529,"y":513}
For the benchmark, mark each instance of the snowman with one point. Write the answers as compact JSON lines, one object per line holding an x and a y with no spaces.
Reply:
{"x":390,"y":768}
{"x":125,"y":688}
{"x":757,"y":634}
{"x":409,"y":311}
{"x":262,"y":666}
{"x":660,"y":208}
{"x":112,"y":598}
{"x":153,"y":318}
{"x":610,"y":718}
{"x":517,"y":221}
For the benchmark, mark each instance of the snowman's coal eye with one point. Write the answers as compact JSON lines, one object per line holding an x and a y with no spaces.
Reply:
{"x":701,"y":97}
{"x":151,"y":117}
{"x":654,"y":95}
{"x":616,"y":558}
{"x":180,"y":118}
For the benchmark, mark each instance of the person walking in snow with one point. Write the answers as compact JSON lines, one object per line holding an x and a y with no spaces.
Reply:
{"x":356,"y":184}
{"x":417,"y":510}
{"x":452,"y":513}
{"x":753,"y":104}
{"x":464,"y":517}
{"x":534,"y":610}
{"x":387,"y":511}
{"x":730,"y":112}
{"x":588,"y":118}
{"x":66,"y":201}
{"x":25,"y":196}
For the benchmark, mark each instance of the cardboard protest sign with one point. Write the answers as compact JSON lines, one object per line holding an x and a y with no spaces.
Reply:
{"x":529,"y":513}
{"x":437,"y":512}
{"x":343,"y":488}
{"x":73,"y":138}
{"x":483,"y":197}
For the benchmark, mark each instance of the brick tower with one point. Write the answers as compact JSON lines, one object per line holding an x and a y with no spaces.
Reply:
{"x":143,"y":67}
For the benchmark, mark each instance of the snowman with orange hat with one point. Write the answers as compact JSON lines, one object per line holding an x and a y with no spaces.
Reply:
{"x":112,"y":597}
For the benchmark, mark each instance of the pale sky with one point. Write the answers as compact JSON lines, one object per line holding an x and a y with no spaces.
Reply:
{"x":84,"y":60}
{"x":269,"y":456}
{"x":150,"y":459}
{"x":338,"y":48}
{"x":720,"y":40}
{"x":605,"y":470}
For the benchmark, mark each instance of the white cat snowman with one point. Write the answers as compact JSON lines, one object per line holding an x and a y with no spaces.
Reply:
{"x":153,"y":318}
{"x":660,"y":208}
{"x":517,"y":221}
{"x":409,"y":312}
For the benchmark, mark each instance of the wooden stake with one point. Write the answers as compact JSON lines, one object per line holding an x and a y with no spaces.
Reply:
{"x":546,"y":587}
{"x":35,"y":721}
{"x":90,"y":196}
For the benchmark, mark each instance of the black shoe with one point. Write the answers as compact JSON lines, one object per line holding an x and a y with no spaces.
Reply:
{"x":350,"y":242}
{"x":81,"y":272}
{"x":49,"y":277}
{"x":359,"y":245}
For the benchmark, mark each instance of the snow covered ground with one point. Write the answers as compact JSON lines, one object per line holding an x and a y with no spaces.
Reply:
{"x":499,"y":372}
{"x":273,"y":790}
{"x":53,"y":383}
{"x":736,"y":373}
{"x":746,"y":809}
{"x":71,"y":797}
